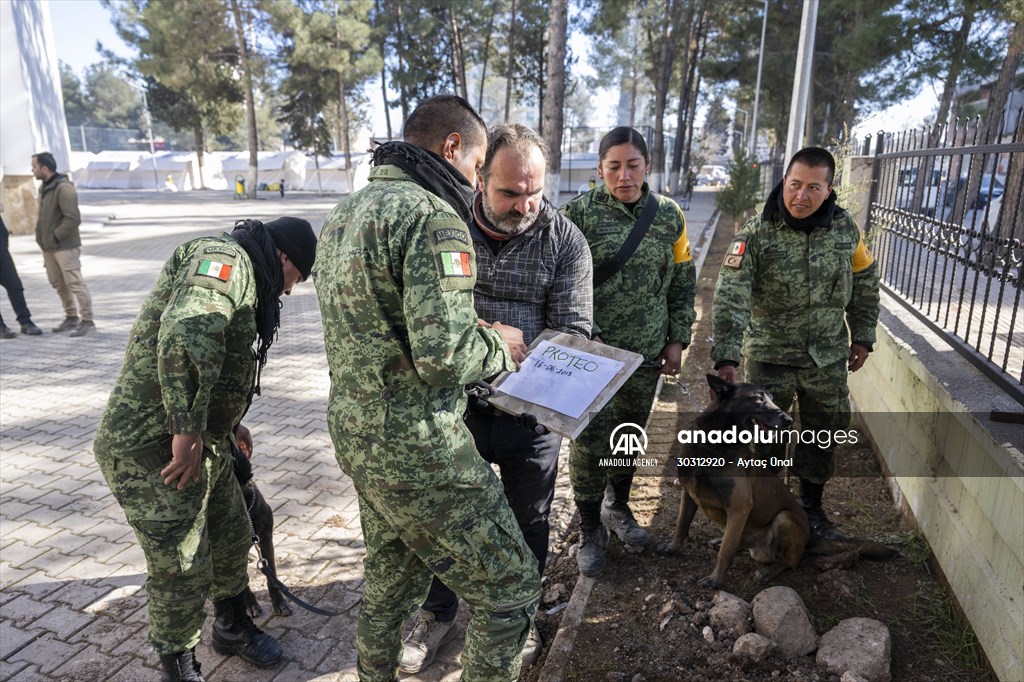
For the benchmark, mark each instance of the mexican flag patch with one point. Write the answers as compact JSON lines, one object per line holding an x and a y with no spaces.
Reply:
{"x":456,"y":264}
{"x":737,"y":248}
{"x":212,"y":268}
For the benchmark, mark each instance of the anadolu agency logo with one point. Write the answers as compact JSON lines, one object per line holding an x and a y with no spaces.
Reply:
{"x":628,"y":440}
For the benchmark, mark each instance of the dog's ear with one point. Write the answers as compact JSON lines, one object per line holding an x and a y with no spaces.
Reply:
{"x":720,"y":387}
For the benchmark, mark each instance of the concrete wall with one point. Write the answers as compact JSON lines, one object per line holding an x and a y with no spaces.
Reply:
{"x":956,"y":474}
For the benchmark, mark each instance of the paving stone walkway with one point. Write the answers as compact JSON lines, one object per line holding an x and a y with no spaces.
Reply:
{"x":72,"y":595}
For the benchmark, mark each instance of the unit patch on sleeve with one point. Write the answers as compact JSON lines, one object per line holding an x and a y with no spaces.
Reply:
{"x":226,"y":250}
{"x":734,"y":257}
{"x":449,"y":234}
{"x":214,"y":269}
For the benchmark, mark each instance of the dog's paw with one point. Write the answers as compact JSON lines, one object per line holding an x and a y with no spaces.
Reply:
{"x":281,"y":608}
{"x":709,"y":582}
{"x":252,"y":607}
{"x":667,"y":548}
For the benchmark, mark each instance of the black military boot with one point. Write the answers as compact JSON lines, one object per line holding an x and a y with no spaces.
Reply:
{"x":810,"y":500}
{"x":618,"y":518}
{"x":181,"y":667}
{"x":234,"y":634}
{"x":593,"y":539}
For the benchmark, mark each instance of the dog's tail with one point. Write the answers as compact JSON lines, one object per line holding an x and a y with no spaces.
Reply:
{"x":845,"y":552}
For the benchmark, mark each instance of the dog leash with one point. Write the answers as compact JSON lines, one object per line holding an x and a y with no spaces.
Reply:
{"x":264,"y":567}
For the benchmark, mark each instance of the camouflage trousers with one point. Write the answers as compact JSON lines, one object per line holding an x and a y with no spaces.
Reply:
{"x":632,"y":404}
{"x":823,"y":398}
{"x":469,"y":538}
{"x":196,"y":540}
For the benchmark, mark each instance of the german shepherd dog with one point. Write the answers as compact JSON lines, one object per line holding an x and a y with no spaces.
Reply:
{"x":261,"y":516}
{"x":749,"y":500}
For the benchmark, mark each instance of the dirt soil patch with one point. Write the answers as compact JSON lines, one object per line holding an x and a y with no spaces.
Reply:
{"x":631,"y":631}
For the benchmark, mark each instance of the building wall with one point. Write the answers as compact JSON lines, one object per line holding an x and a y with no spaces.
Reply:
{"x":32,"y":106}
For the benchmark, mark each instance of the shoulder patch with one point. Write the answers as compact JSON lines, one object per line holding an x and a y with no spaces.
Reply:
{"x":224,"y":250}
{"x":450,"y":234}
{"x":734,"y":256}
{"x":456,"y":264}
{"x":214,"y":269}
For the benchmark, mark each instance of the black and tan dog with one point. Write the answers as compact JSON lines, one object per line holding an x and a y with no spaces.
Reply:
{"x":744,"y":495}
{"x":262,"y":518}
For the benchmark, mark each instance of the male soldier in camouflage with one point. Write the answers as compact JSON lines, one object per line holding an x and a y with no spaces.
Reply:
{"x":797,"y":297}
{"x":535,"y":272}
{"x":164,"y":444}
{"x":395,"y":276}
{"x":646,"y":307}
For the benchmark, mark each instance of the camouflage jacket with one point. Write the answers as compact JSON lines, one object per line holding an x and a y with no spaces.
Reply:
{"x":189,"y":364}
{"x":787,"y":296}
{"x":649,"y":302}
{"x":540,"y":279}
{"x":59,"y":217}
{"x":394,"y":273}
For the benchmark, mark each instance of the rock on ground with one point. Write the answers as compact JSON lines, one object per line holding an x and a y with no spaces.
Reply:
{"x":731,"y":614}
{"x":781,"y":616}
{"x":753,"y":646}
{"x":860,"y":645}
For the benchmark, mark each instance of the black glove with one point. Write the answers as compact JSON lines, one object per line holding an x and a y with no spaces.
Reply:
{"x":477,"y":393}
{"x":529,"y":422}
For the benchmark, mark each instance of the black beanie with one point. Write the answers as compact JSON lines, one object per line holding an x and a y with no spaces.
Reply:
{"x":294,"y":236}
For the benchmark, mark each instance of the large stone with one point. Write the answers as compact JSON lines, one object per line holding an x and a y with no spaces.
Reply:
{"x":753,"y":646}
{"x":859,"y":645}
{"x":781,"y":616}
{"x":730,"y":613}
{"x":850,"y":676}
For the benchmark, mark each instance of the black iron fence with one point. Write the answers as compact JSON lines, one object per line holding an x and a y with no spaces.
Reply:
{"x":946,"y":221}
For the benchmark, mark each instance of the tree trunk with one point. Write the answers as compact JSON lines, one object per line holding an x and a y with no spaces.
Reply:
{"x":665,"y":60}
{"x":403,"y":94}
{"x":684,"y":103}
{"x":383,"y":77}
{"x":959,"y":49}
{"x":200,"y":143}
{"x":458,"y":58}
{"x":511,"y":60}
{"x":1011,"y":218}
{"x":486,"y":57}
{"x":701,"y":44}
{"x":554,"y":114}
{"x":250,"y":105}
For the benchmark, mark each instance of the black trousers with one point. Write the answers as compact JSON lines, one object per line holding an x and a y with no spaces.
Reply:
{"x":9,"y":279}
{"x":528,"y":464}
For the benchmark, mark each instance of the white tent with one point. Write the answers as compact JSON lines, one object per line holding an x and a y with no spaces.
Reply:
{"x":111,"y":170}
{"x":272,"y":167}
{"x":181,"y":169}
{"x":332,"y":174}
{"x":78,"y":167}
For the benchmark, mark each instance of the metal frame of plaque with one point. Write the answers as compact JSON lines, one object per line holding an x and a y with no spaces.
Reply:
{"x":556,"y":421}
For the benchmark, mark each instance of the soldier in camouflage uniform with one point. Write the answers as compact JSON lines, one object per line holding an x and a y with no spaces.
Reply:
{"x":534,"y":271}
{"x":164,"y":443}
{"x":796,"y":286}
{"x":646,"y":307}
{"x":395,"y":275}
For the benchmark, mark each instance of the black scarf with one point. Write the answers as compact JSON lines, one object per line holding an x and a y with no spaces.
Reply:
{"x":256,"y":241}
{"x":775,"y":206}
{"x":430,"y":172}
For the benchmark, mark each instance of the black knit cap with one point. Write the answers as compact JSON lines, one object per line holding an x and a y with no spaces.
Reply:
{"x":295,"y":237}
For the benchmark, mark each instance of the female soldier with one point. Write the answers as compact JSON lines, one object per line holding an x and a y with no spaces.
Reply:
{"x":644,"y":305}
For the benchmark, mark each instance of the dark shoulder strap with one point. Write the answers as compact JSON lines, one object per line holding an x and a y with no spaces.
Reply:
{"x":628,"y":248}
